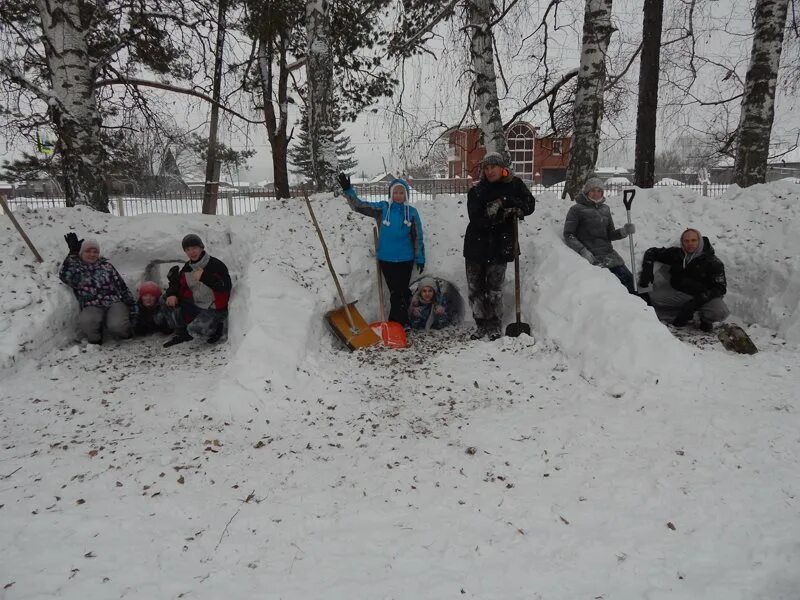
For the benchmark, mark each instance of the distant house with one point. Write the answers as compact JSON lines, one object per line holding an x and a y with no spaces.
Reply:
{"x":541,"y":160}
{"x":382,"y":178}
{"x":606,"y":173}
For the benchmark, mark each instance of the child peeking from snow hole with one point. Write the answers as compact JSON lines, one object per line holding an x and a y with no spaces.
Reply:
{"x":429,"y":308}
{"x":152,"y":317}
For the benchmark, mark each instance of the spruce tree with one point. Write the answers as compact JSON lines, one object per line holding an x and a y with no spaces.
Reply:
{"x":300,"y":153}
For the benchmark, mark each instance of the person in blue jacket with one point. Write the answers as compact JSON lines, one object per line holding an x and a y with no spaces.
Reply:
{"x":400,"y":242}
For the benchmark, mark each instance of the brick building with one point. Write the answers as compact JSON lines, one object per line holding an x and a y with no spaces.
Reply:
{"x":541,"y":160}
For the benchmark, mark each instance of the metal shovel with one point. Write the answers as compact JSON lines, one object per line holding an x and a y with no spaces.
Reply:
{"x":517,"y":328}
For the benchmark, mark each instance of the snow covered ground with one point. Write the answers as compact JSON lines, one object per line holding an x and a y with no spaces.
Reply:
{"x":607,"y":460}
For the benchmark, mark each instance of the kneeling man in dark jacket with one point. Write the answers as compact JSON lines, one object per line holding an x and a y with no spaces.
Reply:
{"x":198,"y":294}
{"x":696,"y":282}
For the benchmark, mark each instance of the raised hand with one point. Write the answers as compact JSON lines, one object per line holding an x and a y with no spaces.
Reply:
{"x":73,"y":243}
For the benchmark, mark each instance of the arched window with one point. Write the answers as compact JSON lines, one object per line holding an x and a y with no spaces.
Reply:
{"x":520,"y":146}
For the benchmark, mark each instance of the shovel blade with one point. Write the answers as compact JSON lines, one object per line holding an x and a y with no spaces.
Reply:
{"x":517,"y":328}
{"x":354,"y":338}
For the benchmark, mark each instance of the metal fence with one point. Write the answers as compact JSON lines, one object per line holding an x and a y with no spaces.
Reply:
{"x":243,"y":201}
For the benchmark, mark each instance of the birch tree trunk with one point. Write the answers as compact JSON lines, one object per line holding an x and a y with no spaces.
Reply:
{"x":588,"y":107}
{"x":758,"y":102}
{"x":277,"y":122}
{"x":482,"y":57}
{"x":319,"y":67}
{"x":73,"y":102}
{"x":646,"y":116}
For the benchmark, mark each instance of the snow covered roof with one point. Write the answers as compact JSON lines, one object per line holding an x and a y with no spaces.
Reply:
{"x":382,"y":177}
{"x":603,"y":171}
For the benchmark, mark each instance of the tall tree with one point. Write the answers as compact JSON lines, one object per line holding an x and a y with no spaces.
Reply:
{"x":588,"y":106}
{"x":320,"y":93}
{"x":758,"y":102}
{"x":300,"y":154}
{"x":646,"y":115}
{"x":481,"y":51}
{"x":211,"y":188}
{"x":62,"y":59}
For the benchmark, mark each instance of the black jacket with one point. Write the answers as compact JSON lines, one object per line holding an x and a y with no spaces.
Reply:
{"x":490,"y":239}
{"x":215,"y":276}
{"x":703,"y":276}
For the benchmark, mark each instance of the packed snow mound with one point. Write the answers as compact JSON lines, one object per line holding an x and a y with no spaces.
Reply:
{"x":283,"y":287}
{"x":39,"y":312}
{"x":753,"y":232}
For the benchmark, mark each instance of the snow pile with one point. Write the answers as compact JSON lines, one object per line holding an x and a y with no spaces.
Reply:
{"x":446,"y":469}
{"x":39,"y":312}
{"x":753,"y":233}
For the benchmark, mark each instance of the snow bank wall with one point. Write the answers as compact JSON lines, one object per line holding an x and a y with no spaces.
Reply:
{"x":39,"y":312}
{"x":754,"y":233}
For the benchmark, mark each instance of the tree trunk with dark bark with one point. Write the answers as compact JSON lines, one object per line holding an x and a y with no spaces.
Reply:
{"x":646,"y":116}
{"x":276,"y":121}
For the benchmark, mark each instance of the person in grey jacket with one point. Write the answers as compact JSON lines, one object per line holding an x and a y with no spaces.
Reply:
{"x":589,"y":230}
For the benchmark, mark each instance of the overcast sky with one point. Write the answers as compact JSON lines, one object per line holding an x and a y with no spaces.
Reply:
{"x":434,"y":89}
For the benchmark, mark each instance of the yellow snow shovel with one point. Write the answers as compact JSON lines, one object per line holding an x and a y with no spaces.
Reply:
{"x":346,"y":322}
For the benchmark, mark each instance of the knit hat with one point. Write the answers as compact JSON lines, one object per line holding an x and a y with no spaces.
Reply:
{"x":89,"y":243}
{"x":494,"y":158}
{"x":426,"y":282}
{"x":192,"y":240}
{"x":149,"y":288}
{"x":593,"y":183}
{"x":406,"y":214}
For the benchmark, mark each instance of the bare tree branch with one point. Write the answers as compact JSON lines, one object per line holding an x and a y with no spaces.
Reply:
{"x":171,"y":88}
{"x":544,"y":95}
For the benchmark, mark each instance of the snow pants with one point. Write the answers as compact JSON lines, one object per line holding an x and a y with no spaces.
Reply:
{"x":668,"y":302}
{"x":398,"y":276}
{"x":485,"y":293}
{"x":625,"y":277}
{"x":114,"y":319}
{"x":187,"y":317}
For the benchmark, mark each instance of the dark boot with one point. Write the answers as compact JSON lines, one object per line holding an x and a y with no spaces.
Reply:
{"x":216,"y":334}
{"x":178,"y":338}
{"x":706,"y":326}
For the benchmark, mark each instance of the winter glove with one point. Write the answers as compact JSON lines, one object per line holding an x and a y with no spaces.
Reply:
{"x":73,"y":243}
{"x":420,"y":267}
{"x":646,"y":276}
{"x":174,"y":275}
{"x":629,"y":228}
{"x":589,"y":256}
{"x":344,"y":181}
{"x":514,"y":213}
{"x":493,"y":207}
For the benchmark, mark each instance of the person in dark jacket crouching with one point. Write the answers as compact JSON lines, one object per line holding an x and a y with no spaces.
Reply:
{"x":493,"y":204}
{"x":106,"y":303}
{"x":198,"y":294}
{"x":696,"y":282}
{"x":153,"y":316}
{"x":589,"y":230}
